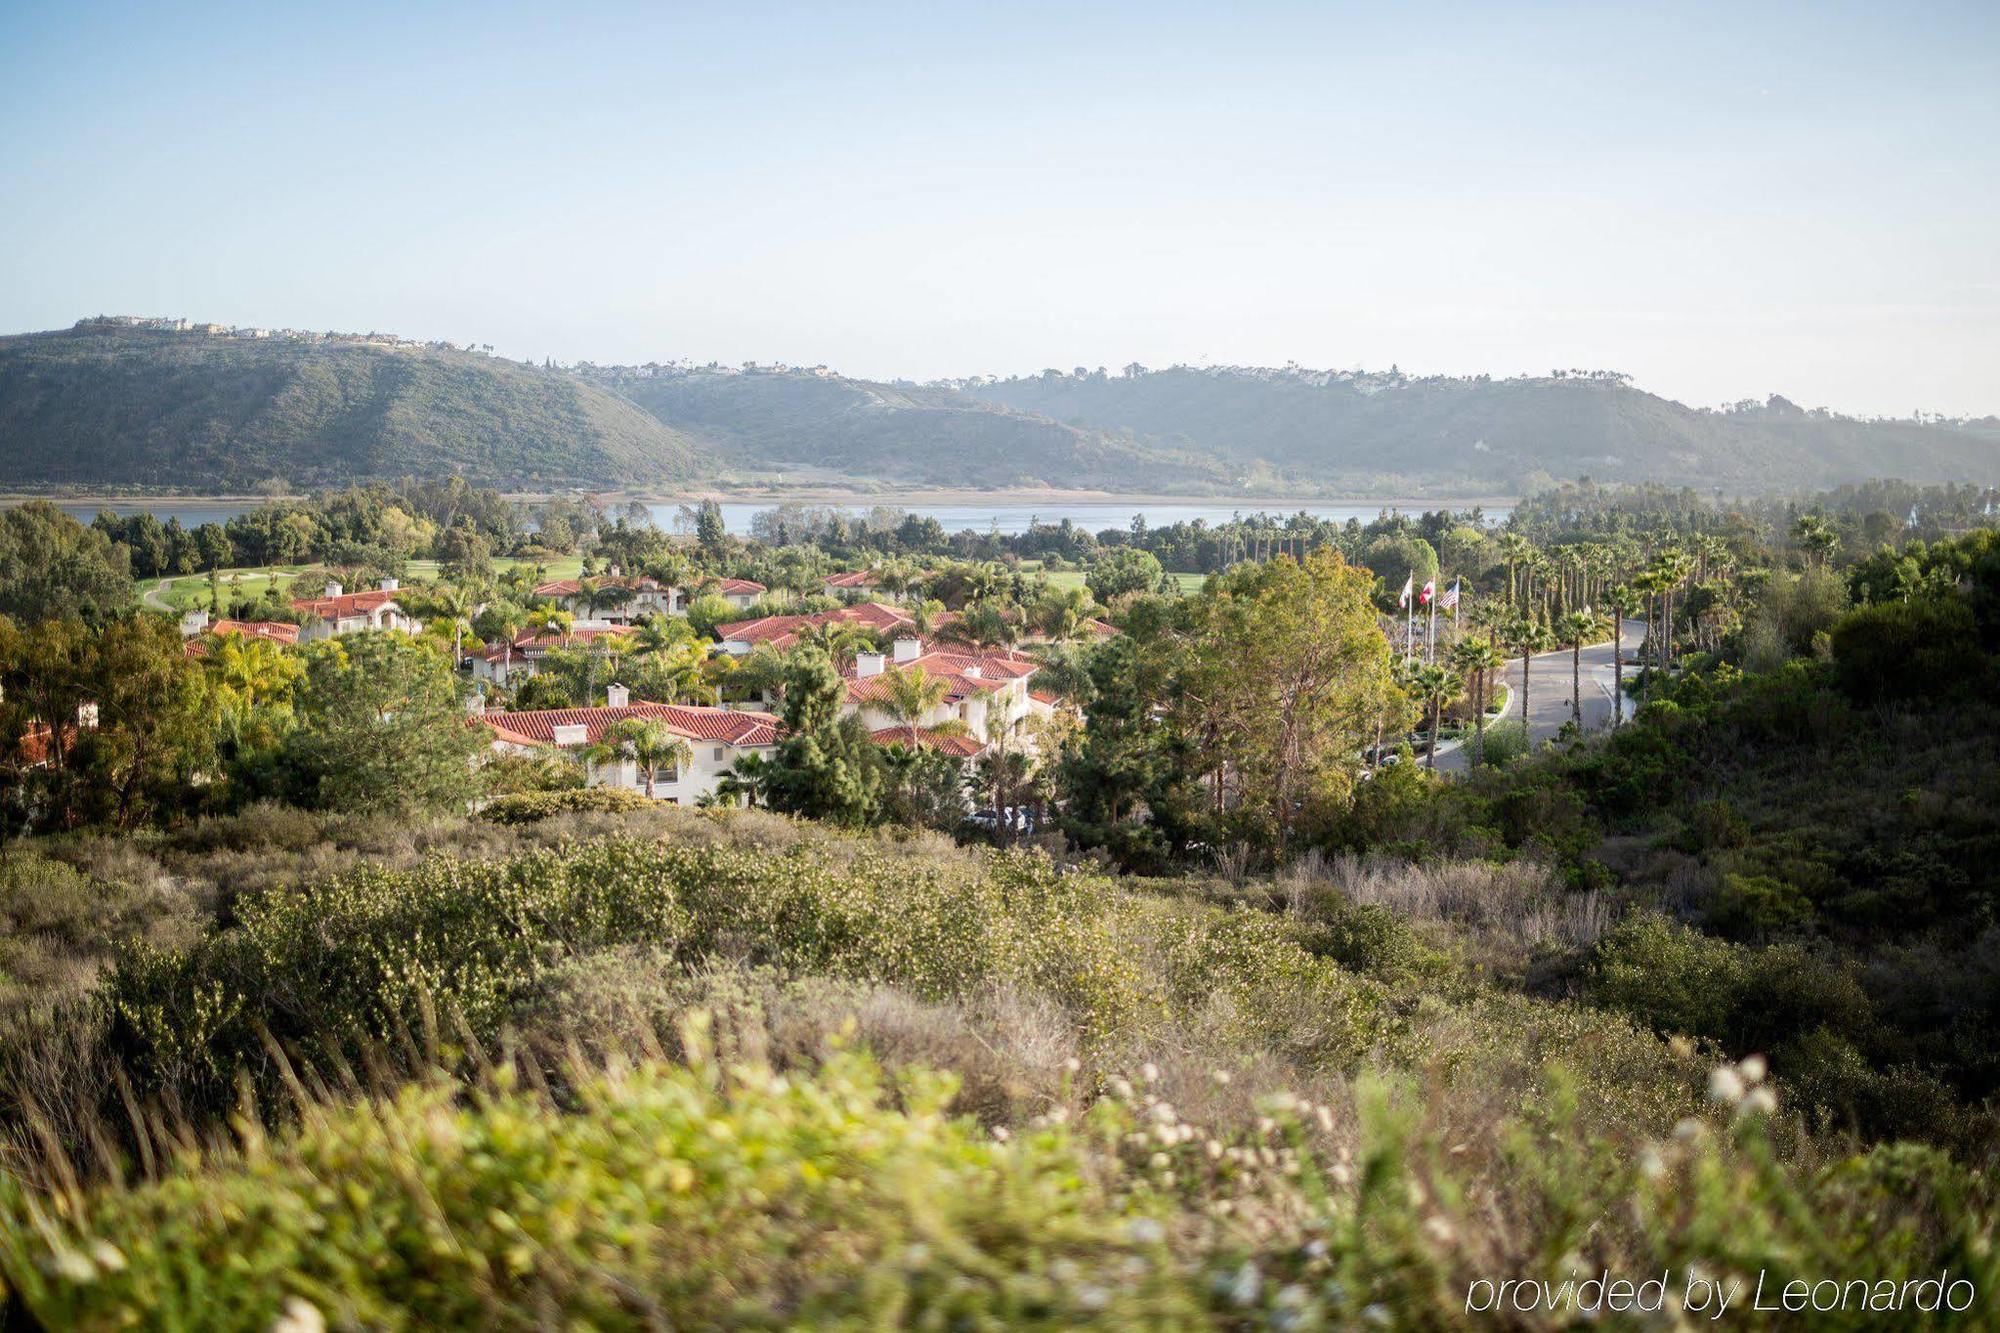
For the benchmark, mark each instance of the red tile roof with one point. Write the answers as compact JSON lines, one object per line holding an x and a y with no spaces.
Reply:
{"x":347,"y":604}
{"x":624,"y":582}
{"x":959,"y":747}
{"x":739,"y":587}
{"x":855,"y":578}
{"x":783,"y":631}
{"x":733,"y":726}
{"x":274,"y":630}
{"x":964,"y":674}
{"x":531,"y":644}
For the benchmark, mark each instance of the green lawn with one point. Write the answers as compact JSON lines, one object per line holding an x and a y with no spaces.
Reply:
{"x":190,"y":591}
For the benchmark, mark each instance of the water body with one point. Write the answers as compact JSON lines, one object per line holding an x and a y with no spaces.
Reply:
{"x":1009,"y":517}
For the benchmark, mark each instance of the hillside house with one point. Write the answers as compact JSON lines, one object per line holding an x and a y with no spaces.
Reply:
{"x":780,"y":632}
{"x":717,"y":738}
{"x":627,"y":599}
{"x":979,"y":687}
{"x":508,"y":664}
{"x":339,"y":612}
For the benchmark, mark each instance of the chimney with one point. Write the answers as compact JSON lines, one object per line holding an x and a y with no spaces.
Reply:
{"x":571,"y":733}
{"x":908,"y":650}
{"x":617,"y":696}
{"x":867,"y":664}
{"x":390,"y":585}
{"x":333,"y":588}
{"x":612,"y":572}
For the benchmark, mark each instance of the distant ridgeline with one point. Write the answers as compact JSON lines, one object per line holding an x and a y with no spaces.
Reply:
{"x":119,"y":402}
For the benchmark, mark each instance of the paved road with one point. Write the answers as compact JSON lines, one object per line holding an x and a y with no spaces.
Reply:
{"x":151,"y":597}
{"x":1549,"y":692}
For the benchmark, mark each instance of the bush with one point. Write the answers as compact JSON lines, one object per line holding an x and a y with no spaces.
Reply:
{"x":528,"y":806}
{"x":1907,"y":650}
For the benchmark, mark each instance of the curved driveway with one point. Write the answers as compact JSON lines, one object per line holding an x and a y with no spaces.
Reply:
{"x":1549,"y":691}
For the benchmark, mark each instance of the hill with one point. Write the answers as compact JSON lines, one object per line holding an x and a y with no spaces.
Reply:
{"x":922,"y":434}
{"x":1368,"y":431}
{"x":105,"y":406}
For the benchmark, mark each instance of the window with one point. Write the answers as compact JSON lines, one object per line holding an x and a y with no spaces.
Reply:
{"x":721,"y":752}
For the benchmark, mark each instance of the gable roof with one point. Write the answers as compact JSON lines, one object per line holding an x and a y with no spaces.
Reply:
{"x":531,"y":644}
{"x":739,"y":587}
{"x":347,"y":604}
{"x":621,"y":582}
{"x":276,"y":631}
{"x":959,"y":747}
{"x":964,"y":675}
{"x":783,"y":631}
{"x":733,"y":726}
{"x":854,"y":578}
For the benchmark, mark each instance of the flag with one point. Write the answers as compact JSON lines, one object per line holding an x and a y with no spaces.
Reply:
{"x":1430,"y":591}
{"x":1409,"y":584}
{"x":1449,"y":601}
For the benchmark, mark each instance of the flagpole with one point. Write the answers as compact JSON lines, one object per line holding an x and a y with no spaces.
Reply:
{"x":1431,"y":630}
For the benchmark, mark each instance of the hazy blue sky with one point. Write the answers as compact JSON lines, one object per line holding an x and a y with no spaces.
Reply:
{"x":1722,"y":201}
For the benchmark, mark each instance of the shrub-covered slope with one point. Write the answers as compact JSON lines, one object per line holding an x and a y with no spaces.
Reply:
{"x":902,"y":432}
{"x":1386,"y":429}
{"x":138,"y":408}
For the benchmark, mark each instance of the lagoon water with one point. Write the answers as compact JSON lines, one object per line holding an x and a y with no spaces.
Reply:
{"x":1004,"y":516}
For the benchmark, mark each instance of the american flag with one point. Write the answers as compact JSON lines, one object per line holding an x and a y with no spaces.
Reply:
{"x":1449,"y":602}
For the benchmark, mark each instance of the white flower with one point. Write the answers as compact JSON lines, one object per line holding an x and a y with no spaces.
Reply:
{"x":1759,"y":1101}
{"x":1725,"y":1085}
{"x":300,"y":1316}
{"x":1753,"y":1068}
{"x":1150,"y":1072}
{"x":1221,"y":1077}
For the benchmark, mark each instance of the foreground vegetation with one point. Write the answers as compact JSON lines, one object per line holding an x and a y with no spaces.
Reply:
{"x":730,"y":1070}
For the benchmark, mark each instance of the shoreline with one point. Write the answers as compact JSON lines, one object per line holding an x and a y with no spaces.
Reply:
{"x":849,"y":499}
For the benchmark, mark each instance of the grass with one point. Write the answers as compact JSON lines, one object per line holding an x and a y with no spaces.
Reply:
{"x":190,"y":591}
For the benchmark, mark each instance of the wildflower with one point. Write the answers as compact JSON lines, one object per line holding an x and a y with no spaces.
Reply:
{"x":1146,"y":1231}
{"x":1652,"y":1164}
{"x":1000,"y":1133}
{"x":1247,"y":1285}
{"x":1072,"y":1065}
{"x":1221,"y":1077}
{"x":299,"y":1316}
{"x":1160,"y":1161}
{"x":1753,"y":1068}
{"x":1439,"y":1230}
{"x":1150,"y":1072}
{"x":1758,"y":1101}
{"x":1725,"y":1085}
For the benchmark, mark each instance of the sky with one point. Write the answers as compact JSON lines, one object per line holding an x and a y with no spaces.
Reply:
{"x":1723,"y":201}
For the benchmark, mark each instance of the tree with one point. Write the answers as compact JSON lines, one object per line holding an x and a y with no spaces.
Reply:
{"x":1122,"y":572}
{"x":1433,"y":687}
{"x":1573,"y":629}
{"x":1289,"y":673}
{"x":824,"y":765}
{"x":455,"y":602}
{"x":913,"y":693}
{"x":708,"y":611}
{"x":710,"y":533}
{"x":1477,"y":660}
{"x":53,"y":567}
{"x":382,"y":728}
{"x":1623,"y":601}
{"x":647,"y":742}
{"x":1524,"y":635}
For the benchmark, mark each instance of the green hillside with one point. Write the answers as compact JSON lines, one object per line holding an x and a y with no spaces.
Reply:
{"x":931,"y":435}
{"x":1391,"y":430}
{"x":100,"y":407}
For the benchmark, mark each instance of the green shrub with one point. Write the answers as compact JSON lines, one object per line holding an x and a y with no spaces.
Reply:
{"x":1907,"y":650}
{"x":528,"y":806}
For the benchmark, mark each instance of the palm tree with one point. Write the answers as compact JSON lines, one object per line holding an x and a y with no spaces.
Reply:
{"x":1573,"y":629}
{"x":1623,"y":601}
{"x":746,"y":781}
{"x":1523,"y":635}
{"x":1433,"y":687}
{"x":913,"y":693}
{"x":507,"y":620}
{"x":1477,"y":660}
{"x":458,"y":604}
{"x":1061,"y":613}
{"x":647,"y":743}
{"x":552,"y":620}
